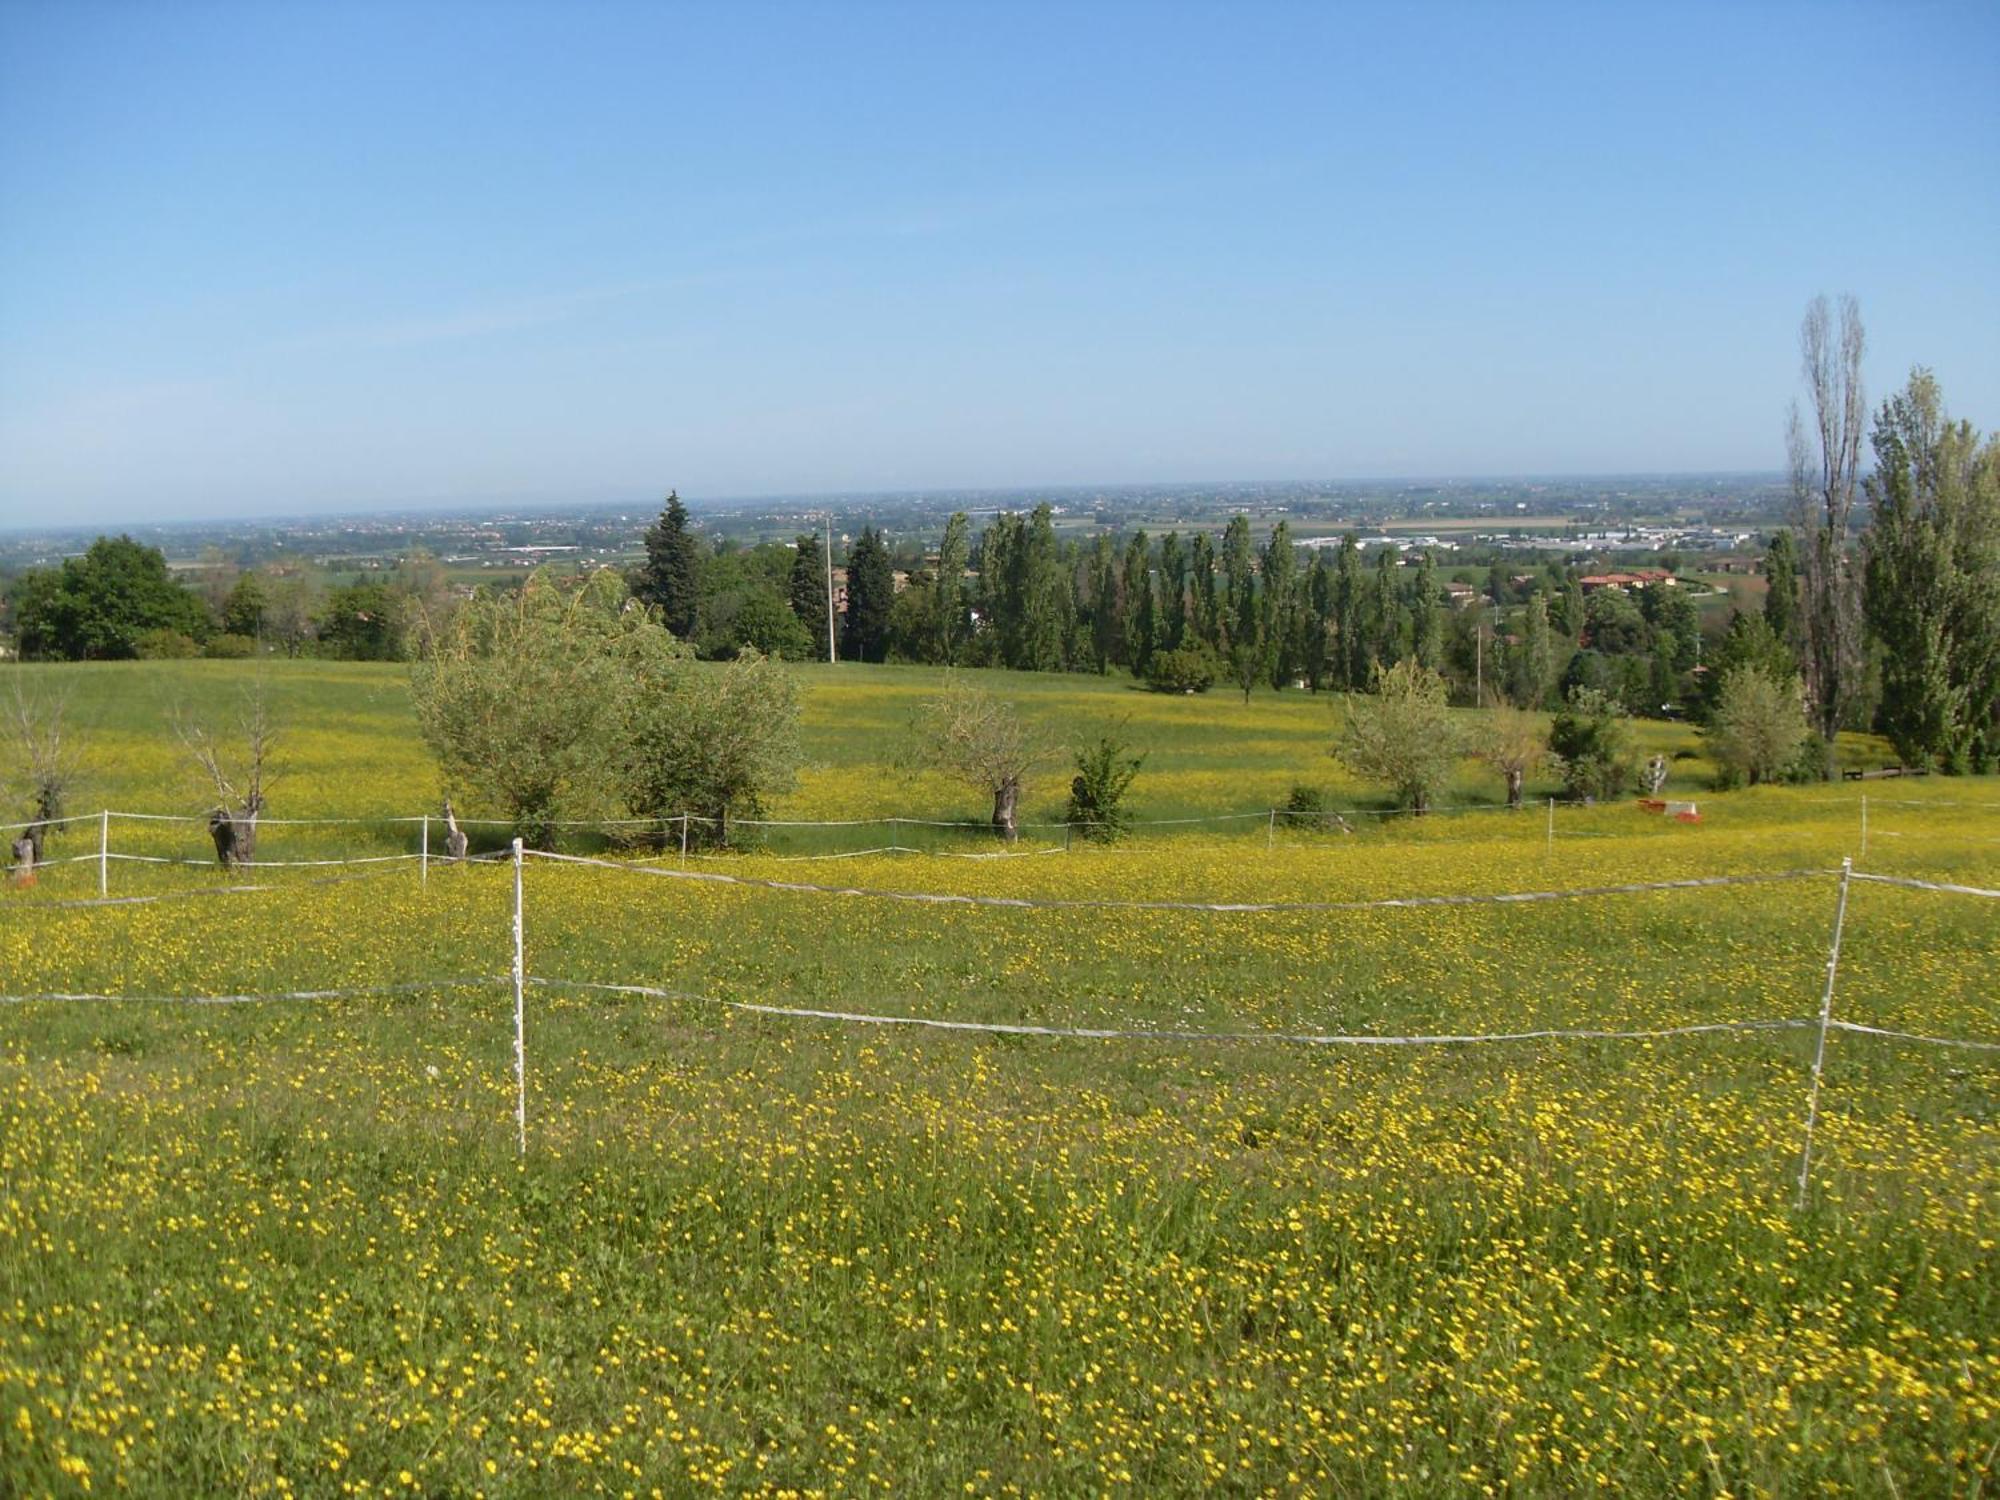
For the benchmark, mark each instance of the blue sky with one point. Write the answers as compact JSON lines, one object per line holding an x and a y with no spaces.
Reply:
{"x":281,"y":257}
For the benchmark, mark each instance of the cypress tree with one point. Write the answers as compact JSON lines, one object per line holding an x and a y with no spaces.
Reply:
{"x":871,"y":595}
{"x":671,"y":578}
{"x":806,"y":590}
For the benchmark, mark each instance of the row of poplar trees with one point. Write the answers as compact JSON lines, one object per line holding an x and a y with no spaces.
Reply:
{"x":1021,"y":596}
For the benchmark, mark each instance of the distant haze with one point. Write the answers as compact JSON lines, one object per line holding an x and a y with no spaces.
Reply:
{"x":289,"y":259}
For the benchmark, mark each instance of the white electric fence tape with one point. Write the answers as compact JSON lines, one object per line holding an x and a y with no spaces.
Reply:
{"x":1051,"y":903}
{"x":1097,"y":1033}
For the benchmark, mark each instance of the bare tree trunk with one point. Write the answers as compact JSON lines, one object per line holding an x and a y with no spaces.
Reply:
{"x":235,"y":837}
{"x":1515,"y":774}
{"x":1006,"y":797}
{"x":1825,"y":464}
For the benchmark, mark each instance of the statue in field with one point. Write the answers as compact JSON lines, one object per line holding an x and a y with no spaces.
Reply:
{"x":1656,"y":775}
{"x":23,"y":871}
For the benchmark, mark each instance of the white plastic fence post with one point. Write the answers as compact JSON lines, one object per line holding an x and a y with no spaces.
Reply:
{"x":684,"y":840}
{"x":520,"y":1018}
{"x":424,"y":854}
{"x":1825,"y":1020}
{"x":1864,"y":825}
{"x":104,"y":853}
{"x":1271,"y":832}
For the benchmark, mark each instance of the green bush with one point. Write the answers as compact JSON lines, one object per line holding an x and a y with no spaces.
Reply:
{"x":1592,"y":738}
{"x":1188,"y":670}
{"x":162,"y":644}
{"x":1104,"y":774}
{"x":229,"y":647}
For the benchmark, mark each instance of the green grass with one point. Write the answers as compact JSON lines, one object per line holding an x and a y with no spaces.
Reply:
{"x":288,"y":1247}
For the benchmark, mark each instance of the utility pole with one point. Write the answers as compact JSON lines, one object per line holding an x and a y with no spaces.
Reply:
{"x":829,"y":587}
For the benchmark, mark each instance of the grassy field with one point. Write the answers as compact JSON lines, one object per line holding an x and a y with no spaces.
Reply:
{"x":288,"y":1246}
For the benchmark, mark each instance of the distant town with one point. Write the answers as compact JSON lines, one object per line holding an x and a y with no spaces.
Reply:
{"x":1577,"y":518}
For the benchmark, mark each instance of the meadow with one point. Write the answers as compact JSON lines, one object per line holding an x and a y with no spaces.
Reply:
{"x":288,"y":1247}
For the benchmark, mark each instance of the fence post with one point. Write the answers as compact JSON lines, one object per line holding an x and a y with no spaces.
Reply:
{"x":1067,"y":828}
{"x":684,"y":840}
{"x":520,"y":1019}
{"x":1552,"y":827}
{"x":1825,"y":1020}
{"x":1271,"y":832}
{"x":424,"y":854}
{"x":1864,"y":825}
{"x":104,"y":853}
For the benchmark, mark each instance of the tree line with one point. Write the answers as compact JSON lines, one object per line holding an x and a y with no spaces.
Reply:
{"x":120,"y":600}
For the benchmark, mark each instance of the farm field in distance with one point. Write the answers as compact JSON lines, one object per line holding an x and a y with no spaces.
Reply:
{"x":287,"y":1246}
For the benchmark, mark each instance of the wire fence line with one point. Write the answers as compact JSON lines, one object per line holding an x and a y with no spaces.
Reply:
{"x":662,"y":829}
{"x":521,"y":982}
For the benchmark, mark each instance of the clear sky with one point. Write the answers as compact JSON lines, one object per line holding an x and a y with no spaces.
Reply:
{"x":274,"y":257}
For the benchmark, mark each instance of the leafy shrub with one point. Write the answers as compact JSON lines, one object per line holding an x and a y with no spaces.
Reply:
{"x":229,"y":647}
{"x":162,"y":644}
{"x":1591,"y":738}
{"x":1104,"y":773}
{"x":1306,"y":809}
{"x":1188,"y":670}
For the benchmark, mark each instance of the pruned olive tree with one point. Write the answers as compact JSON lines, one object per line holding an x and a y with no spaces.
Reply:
{"x":41,"y":762}
{"x":710,"y":742}
{"x":1513,"y":742}
{"x":974,"y":738}
{"x":528,"y":698}
{"x":233,"y":758}
{"x":1402,"y":734}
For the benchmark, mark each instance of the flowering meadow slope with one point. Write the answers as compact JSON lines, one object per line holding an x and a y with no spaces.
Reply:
{"x":288,"y":1246}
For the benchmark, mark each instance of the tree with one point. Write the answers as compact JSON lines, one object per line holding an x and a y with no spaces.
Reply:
{"x":1280,"y":607}
{"x":670,"y":581}
{"x":1781,"y":595}
{"x":1173,"y":593}
{"x":1141,"y":622}
{"x":98,"y":607}
{"x":1533,"y":666}
{"x":807,"y":589}
{"x":1316,"y":642}
{"x":527,"y":699}
{"x":1105,"y":770}
{"x":1201,"y":590}
{"x":1591,"y":740}
{"x":1107,"y":613}
{"x":871,"y":596}
{"x":950,"y":619}
{"x":713,"y":743}
{"x":293,"y":607}
{"x":358,"y":623}
{"x":1758,"y":725}
{"x":42,"y":756}
{"x":1824,"y":467}
{"x":243,"y":611}
{"x":420,"y":592}
{"x":236,"y":761}
{"x":978,"y":740}
{"x":1239,"y":573}
{"x":1513,"y":743}
{"x":1426,"y":624}
{"x":1932,"y":574}
{"x":1351,"y":644}
{"x":1403,"y":735}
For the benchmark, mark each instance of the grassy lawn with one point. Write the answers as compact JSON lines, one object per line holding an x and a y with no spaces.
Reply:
{"x":288,"y":1246}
